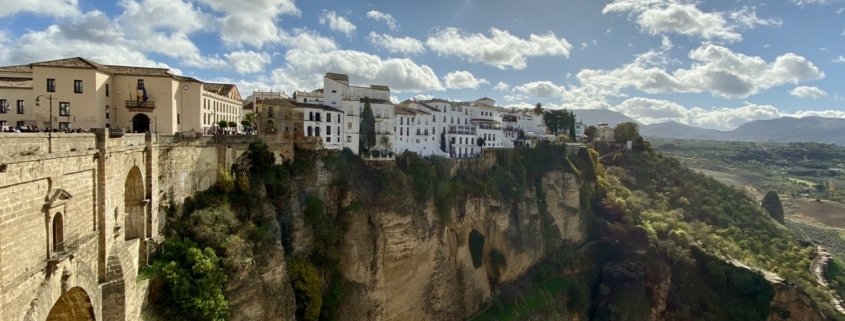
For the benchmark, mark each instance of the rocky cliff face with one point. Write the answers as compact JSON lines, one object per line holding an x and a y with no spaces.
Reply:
{"x":412,"y":267}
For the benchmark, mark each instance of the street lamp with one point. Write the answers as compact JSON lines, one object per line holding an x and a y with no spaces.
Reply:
{"x":49,"y":133}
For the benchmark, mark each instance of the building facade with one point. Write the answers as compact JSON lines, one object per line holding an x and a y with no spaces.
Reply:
{"x":86,"y":94}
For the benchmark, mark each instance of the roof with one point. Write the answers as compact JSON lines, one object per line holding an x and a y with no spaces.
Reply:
{"x":10,"y":82}
{"x":399,"y":110}
{"x":378,"y":101}
{"x":340,"y":77}
{"x":277,"y":102}
{"x":183,"y":78}
{"x":75,"y":62}
{"x":249,"y":106}
{"x":140,"y":71}
{"x":18,"y":68}
{"x":436,"y":100}
{"x":220,"y":89}
{"x":380,"y":87}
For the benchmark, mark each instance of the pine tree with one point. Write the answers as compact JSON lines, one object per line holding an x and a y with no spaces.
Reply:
{"x":368,"y":128}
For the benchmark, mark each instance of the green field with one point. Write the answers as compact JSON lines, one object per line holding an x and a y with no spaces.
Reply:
{"x":830,"y":238}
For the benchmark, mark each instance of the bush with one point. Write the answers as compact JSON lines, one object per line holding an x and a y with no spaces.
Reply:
{"x":476,"y":248}
{"x":225,"y":181}
{"x":193,"y":278}
{"x":306,"y":285}
{"x":260,"y":157}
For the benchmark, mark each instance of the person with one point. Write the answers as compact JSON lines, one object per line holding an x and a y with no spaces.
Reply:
{"x":17,"y":130}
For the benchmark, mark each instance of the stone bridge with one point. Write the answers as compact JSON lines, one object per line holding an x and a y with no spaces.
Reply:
{"x":77,"y":223}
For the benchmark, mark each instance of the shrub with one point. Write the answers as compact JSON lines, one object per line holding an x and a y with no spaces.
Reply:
{"x":260,"y":157}
{"x":193,"y":278}
{"x":225,"y":181}
{"x":306,"y":285}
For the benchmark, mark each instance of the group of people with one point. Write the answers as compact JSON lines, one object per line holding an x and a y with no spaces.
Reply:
{"x":35,"y":129}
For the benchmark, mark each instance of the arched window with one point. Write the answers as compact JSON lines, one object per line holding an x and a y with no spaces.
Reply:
{"x":58,"y":233}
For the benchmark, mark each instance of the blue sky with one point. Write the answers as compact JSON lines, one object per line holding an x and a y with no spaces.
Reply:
{"x":714,"y":64}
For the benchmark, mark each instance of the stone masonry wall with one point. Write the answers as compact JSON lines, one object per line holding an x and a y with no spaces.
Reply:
{"x":112,"y":195}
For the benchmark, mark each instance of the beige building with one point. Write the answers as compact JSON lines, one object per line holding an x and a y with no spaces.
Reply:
{"x":86,"y":94}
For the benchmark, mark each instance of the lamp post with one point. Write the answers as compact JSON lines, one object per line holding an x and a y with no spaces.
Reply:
{"x":50,"y":132}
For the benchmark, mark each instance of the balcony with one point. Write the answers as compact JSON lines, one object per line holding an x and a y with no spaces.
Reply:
{"x":462,"y":132}
{"x":138,"y":105}
{"x":383,"y":132}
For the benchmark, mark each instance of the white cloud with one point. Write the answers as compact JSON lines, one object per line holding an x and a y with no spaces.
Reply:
{"x":312,"y":55}
{"x":584,"y":45}
{"x":337,"y":23}
{"x":54,"y":8}
{"x":766,"y":46}
{"x":501,"y":86}
{"x":386,"y":17}
{"x":424,"y":97}
{"x":666,"y":43}
{"x":839,"y":60}
{"x":463,"y":79}
{"x":808,"y":92}
{"x":251,"y":22}
{"x":403,"y":45}
{"x":502,"y":50}
{"x":650,"y":111}
{"x":394,"y":99}
{"x":810,"y":2}
{"x":147,"y":16}
{"x":659,"y":17}
{"x":540,"y":89}
{"x":246,"y":62}
{"x":716,"y":69}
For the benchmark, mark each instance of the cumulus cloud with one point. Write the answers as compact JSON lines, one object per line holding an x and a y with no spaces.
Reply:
{"x":715,"y":69}
{"x":808,"y":92}
{"x":251,"y":22}
{"x":150,"y":15}
{"x":386,"y":17}
{"x":839,"y":60}
{"x":660,"y":17}
{"x":337,"y":23}
{"x":59,"y":8}
{"x":310,"y":55}
{"x":501,"y":50}
{"x":424,"y":97}
{"x":810,"y":2}
{"x":403,"y":45}
{"x":246,"y":62}
{"x":463,"y":79}
{"x":540,"y":89}
{"x":501,"y":86}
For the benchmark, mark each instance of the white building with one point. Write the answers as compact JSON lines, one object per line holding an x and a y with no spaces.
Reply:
{"x":488,"y":123}
{"x":580,"y":129}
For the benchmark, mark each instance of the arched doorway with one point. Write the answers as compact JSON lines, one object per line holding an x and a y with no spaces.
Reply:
{"x":134,"y":205}
{"x":140,"y":123}
{"x":73,"y":305}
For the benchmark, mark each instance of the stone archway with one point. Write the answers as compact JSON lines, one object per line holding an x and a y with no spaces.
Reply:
{"x":134,"y":205}
{"x":140,"y":123}
{"x":73,"y":305}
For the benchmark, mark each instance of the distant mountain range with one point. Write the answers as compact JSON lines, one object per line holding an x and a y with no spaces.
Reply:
{"x":781,"y":130}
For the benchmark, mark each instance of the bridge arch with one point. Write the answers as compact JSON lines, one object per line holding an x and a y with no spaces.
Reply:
{"x":134,"y":205}
{"x":73,"y":305}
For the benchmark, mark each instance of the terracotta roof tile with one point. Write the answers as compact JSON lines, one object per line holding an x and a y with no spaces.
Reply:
{"x":139,"y":71}
{"x":220,"y":89}
{"x":19,"y":68}
{"x":75,"y":62}
{"x":9,"y":82}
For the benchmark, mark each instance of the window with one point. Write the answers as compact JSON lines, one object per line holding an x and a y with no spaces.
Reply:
{"x":338,"y":133}
{"x":58,"y":233}
{"x":338,"y":139}
{"x":334,"y":91}
{"x":309,"y":131}
{"x":20,"y":123}
{"x":20,"y":107}
{"x":318,"y":116}
{"x":328,"y":130}
{"x":401,"y":121}
{"x":51,"y":85}
{"x":311,"y":116}
{"x":140,"y":84}
{"x":3,"y":123}
{"x":64,"y":108}
{"x":349,"y":125}
{"x":107,"y":90}
{"x":316,"y":131}
{"x":77,"y":86}
{"x":329,"y":118}
{"x":328,"y":139}
{"x":348,"y":139}
{"x":64,"y":125}
{"x":178,"y":119}
{"x":3,"y":108}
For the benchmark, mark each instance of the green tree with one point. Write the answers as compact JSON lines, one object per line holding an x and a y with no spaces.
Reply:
{"x":232,"y":124}
{"x":480,"y":142}
{"x":307,"y":286}
{"x":626,"y":131}
{"x":571,"y":126}
{"x":368,"y":127}
{"x":443,"y":141}
{"x":193,"y":279}
{"x":249,"y":120}
{"x":223,"y":124}
{"x":538,"y":109}
{"x":260,"y":157}
{"x":591,"y":132}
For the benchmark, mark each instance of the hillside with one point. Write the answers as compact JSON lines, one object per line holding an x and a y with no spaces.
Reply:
{"x":781,"y":130}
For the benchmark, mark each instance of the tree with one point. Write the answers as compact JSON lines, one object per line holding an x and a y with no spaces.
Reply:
{"x":307,"y":284}
{"x":480,"y":142}
{"x":591,"y":132}
{"x":538,"y":109}
{"x":443,"y":141}
{"x":193,"y":279}
{"x":571,"y":126}
{"x":223,"y":124}
{"x":771,"y":202}
{"x":368,"y":127}
{"x":626,"y":131}
{"x":233,"y":124}
{"x":260,"y":157}
{"x":249,"y":120}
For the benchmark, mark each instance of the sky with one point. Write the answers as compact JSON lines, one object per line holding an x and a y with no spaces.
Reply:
{"x":712,"y":64}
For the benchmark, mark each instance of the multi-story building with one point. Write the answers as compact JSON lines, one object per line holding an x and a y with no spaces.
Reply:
{"x":86,"y":94}
{"x":416,"y":129}
{"x":488,"y":123}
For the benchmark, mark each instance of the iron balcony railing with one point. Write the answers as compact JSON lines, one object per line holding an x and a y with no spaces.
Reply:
{"x":140,"y":104}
